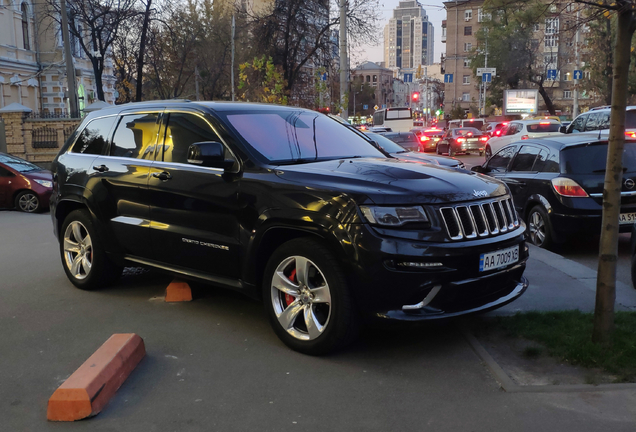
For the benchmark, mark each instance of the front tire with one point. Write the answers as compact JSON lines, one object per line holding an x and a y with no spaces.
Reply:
{"x":83,"y":257}
{"x":27,"y":201}
{"x":437,"y":150}
{"x":540,"y":228}
{"x":307,"y":298}
{"x":451,"y":152}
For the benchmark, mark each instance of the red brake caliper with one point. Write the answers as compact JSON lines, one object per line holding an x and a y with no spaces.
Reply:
{"x":289,"y":299}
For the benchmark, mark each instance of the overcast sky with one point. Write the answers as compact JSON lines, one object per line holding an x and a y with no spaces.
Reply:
{"x":436,"y":13}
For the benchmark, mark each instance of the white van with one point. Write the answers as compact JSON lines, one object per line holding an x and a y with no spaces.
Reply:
{"x":472,"y":122}
{"x":397,"y":119}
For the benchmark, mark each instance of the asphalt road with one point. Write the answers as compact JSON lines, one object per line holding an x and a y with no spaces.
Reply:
{"x":214,"y":364}
{"x":583,"y":249}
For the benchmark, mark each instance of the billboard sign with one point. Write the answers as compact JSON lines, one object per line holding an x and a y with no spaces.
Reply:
{"x":521,"y":101}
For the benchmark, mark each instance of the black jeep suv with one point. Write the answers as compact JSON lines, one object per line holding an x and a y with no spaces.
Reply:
{"x":287,"y":205}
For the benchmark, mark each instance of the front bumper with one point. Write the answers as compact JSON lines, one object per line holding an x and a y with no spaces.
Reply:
{"x":385,"y":290}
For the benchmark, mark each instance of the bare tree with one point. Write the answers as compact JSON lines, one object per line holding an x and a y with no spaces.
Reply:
{"x":95,"y":24}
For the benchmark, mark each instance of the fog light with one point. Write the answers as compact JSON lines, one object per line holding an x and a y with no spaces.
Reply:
{"x":420,"y":264}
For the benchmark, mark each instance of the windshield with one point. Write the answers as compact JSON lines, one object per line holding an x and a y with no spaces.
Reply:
{"x":466,"y":131}
{"x":18,"y":164}
{"x":543,"y":127}
{"x":291,"y":136}
{"x":386,"y":144}
{"x":592,"y":158}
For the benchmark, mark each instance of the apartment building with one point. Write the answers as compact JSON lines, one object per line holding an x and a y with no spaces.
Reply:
{"x":378,"y":77}
{"x":553,"y":39}
{"x":408,"y":38}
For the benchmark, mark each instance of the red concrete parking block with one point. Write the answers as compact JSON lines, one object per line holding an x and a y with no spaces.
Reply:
{"x":89,"y":389}
{"x":178,"y":291}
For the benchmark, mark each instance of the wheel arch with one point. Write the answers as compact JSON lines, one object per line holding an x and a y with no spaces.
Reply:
{"x":64,"y":208}
{"x":533,"y":200}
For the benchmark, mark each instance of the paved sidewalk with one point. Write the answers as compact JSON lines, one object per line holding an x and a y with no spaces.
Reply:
{"x":557,"y":283}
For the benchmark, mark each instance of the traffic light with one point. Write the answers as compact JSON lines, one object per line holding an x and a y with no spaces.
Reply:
{"x":415,"y":96}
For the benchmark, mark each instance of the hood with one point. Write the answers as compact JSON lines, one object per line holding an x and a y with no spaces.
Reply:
{"x":393,"y":181}
{"x":39,"y":175}
{"x":420,"y":157}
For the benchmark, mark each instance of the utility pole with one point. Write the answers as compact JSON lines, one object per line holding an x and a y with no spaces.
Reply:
{"x":196,"y":81}
{"x":70,"y":67}
{"x":485,"y":84}
{"x":232,"y":78}
{"x":575,"y":105}
{"x":426,"y":106}
{"x":344,"y":84}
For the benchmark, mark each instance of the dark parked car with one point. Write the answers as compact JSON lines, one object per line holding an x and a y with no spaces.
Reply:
{"x":23,"y":185}
{"x":408,"y":140}
{"x":557,"y":184}
{"x":428,"y":138}
{"x":287,"y":205}
{"x":400,"y":152}
{"x":462,"y":140}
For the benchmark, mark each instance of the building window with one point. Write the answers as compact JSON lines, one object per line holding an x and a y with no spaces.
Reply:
{"x":466,"y":62}
{"x":25,"y":27}
{"x":468,"y":47}
{"x":567,"y":94}
{"x":468,"y":31}
{"x":551,"y":26}
{"x":466,"y":79}
{"x":481,"y":16}
{"x":468,"y":14}
{"x":375,"y":78}
{"x":551,"y":41}
{"x":466,"y":97}
{"x":568,"y":76}
{"x":368,"y":78}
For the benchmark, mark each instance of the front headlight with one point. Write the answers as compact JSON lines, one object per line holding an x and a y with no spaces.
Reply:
{"x":45,"y":183}
{"x":393,"y":216}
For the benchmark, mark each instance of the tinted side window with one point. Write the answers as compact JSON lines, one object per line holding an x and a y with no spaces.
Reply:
{"x":604,"y":120}
{"x":184,"y":129}
{"x":5,"y":172}
{"x":499,"y":162}
{"x":543,"y":163}
{"x":578,"y":125}
{"x":592,"y":122}
{"x":94,"y":137}
{"x":136,"y":136}
{"x":513,"y":128}
{"x":525,"y":158}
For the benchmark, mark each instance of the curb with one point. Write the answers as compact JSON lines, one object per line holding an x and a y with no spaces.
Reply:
{"x":91,"y":386}
{"x":509,"y":386}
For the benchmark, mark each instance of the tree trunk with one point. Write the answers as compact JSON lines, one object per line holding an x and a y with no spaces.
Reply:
{"x":97,"y":70}
{"x":608,"y":250}
{"x":546,"y":98}
{"x":610,"y":61}
{"x":142,"y":52}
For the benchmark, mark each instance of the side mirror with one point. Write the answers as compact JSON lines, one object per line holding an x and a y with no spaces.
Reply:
{"x":480,"y":169}
{"x":563,"y":129}
{"x":209,"y":154}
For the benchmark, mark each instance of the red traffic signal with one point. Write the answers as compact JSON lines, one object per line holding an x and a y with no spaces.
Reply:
{"x":415,"y":96}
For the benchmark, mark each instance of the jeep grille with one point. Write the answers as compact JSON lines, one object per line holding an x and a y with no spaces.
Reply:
{"x":480,"y":220}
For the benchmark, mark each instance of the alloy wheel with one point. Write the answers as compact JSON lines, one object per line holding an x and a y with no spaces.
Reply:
{"x":301,"y":298}
{"x":28,"y":202}
{"x":537,"y":229}
{"x":78,"y":250}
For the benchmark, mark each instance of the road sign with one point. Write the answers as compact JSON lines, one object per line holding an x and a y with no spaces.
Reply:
{"x":448,"y":78}
{"x":552,"y":74}
{"x":578,"y":74}
{"x":383,"y":106}
{"x":376,"y":107}
{"x":324,"y":76}
{"x":365,"y":107}
{"x":491,"y":71}
{"x":408,"y":77}
{"x":486,"y":77}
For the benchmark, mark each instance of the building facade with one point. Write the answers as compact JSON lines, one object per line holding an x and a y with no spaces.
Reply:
{"x":408,"y":38}
{"x":378,"y":77}
{"x":553,"y":40}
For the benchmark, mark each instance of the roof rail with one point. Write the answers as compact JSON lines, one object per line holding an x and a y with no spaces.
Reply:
{"x":600,"y":107}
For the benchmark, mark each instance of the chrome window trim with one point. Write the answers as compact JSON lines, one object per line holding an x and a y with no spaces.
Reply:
{"x":600,"y":195}
{"x":80,"y":131}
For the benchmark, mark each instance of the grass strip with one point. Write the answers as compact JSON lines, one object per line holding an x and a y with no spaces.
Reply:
{"x":567,"y":335}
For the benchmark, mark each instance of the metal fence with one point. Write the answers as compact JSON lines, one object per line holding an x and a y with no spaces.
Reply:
{"x":68,"y":131}
{"x":51,"y":115}
{"x":44,"y":137}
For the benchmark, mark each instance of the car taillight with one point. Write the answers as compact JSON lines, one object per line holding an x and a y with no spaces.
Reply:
{"x":424,"y":138}
{"x":461,"y":140}
{"x":544,"y":123}
{"x":483,"y":138}
{"x":525,"y":137}
{"x":498,"y":132}
{"x":568,"y":187}
{"x":630,"y":134}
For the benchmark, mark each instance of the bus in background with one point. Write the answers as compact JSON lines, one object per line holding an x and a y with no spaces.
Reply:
{"x":398,"y":119}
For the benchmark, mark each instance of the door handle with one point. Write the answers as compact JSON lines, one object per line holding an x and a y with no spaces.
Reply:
{"x":163,"y":176}
{"x":101,"y":168}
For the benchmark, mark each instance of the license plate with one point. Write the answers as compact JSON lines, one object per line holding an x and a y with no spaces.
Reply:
{"x":627,"y":218}
{"x":472,"y":140}
{"x":498,"y":259}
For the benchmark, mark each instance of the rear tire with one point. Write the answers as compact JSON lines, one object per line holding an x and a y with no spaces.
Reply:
{"x":481,"y":153}
{"x":307,"y":298}
{"x":540,"y":228}
{"x":437,"y":150}
{"x":451,"y":152}
{"x":83,"y":257}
